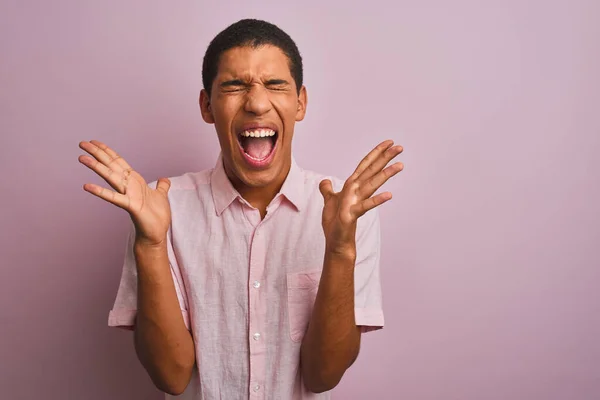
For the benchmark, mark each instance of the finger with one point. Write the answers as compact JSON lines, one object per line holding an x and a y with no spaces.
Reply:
{"x":326,"y":188}
{"x":100,"y":155}
{"x":380,"y":162}
{"x":361,"y":208}
{"x":163,"y":185}
{"x":113,"y":154}
{"x":117,"y":180}
{"x":368,"y":188}
{"x":369,"y":158}
{"x":115,"y":198}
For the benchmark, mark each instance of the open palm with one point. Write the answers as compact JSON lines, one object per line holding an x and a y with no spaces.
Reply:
{"x":341,"y":210}
{"x":149,"y":208}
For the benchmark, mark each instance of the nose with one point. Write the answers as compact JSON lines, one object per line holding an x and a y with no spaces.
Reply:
{"x":257,"y":100}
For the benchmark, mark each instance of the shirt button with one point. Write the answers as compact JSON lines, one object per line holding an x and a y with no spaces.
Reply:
{"x":256,"y":284}
{"x":256,"y":336}
{"x":256,"y":388}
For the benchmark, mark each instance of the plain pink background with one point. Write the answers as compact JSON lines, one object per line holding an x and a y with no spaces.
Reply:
{"x":491,"y":266}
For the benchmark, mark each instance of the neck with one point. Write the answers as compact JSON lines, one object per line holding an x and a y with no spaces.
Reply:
{"x":259,"y":197}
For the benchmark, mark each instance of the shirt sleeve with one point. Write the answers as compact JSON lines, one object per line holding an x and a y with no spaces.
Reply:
{"x":367,"y":283}
{"x":124,"y":309}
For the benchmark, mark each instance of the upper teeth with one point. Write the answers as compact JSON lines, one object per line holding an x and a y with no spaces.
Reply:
{"x":259,"y":133}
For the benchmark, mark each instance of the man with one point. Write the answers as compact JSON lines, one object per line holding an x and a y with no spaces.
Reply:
{"x":244,"y":281}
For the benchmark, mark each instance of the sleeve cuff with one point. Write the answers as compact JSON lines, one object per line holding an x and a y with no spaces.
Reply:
{"x":369,"y":319}
{"x":126,"y":318}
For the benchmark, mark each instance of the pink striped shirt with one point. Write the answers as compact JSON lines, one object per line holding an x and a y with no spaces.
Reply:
{"x":246,"y":287}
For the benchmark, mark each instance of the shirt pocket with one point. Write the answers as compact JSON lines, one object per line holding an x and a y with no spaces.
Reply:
{"x":301,"y":291}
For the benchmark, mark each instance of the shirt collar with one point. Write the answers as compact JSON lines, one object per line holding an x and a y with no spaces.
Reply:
{"x":224,"y":193}
{"x":293,"y":187}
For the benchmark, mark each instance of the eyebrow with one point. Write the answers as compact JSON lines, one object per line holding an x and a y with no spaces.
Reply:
{"x":277,"y":82}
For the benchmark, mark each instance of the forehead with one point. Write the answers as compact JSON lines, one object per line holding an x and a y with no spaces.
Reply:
{"x":249,"y":61}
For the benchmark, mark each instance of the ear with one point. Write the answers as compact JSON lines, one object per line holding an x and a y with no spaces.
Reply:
{"x":302,"y":103}
{"x":206,"y":108}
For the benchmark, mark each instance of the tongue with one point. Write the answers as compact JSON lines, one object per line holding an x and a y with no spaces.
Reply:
{"x":258,"y":148}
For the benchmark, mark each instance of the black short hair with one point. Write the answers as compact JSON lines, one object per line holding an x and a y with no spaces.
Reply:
{"x":253,"y":33}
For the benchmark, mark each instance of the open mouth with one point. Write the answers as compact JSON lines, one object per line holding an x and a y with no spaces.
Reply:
{"x":258,"y":145}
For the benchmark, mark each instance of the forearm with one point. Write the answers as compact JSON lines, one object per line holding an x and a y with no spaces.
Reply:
{"x":332,"y":341}
{"x":163,"y":343}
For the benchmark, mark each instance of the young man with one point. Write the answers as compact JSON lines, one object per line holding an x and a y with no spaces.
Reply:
{"x":255,"y":279}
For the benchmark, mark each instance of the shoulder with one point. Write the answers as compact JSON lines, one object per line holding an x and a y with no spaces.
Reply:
{"x":188,"y":182}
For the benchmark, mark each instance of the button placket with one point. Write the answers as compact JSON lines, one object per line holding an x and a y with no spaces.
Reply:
{"x":257,"y":343}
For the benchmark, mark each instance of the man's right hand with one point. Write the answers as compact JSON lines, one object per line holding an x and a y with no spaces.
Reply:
{"x":163,"y":344}
{"x":149,"y":209}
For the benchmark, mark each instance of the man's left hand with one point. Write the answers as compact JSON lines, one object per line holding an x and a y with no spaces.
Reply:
{"x":342,"y":210}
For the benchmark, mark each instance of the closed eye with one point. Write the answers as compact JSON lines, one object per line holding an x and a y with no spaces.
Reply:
{"x":236,"y":85}
{"x":233,"y":85}
{"x":277,"y":84}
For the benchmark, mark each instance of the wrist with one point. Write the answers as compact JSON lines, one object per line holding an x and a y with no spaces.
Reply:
{"x":341,"y":251}
{"x":145,"y":247}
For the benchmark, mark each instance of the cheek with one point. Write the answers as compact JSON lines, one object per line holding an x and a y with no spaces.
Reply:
{"x":286,"y":108}
{"x":223,"y":117}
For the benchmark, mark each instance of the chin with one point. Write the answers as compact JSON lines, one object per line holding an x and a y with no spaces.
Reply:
{"x":257,"y":178}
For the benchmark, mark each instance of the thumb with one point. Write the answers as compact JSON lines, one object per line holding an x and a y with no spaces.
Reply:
{"x":326,"y":188}
{"x":163,"y":185}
